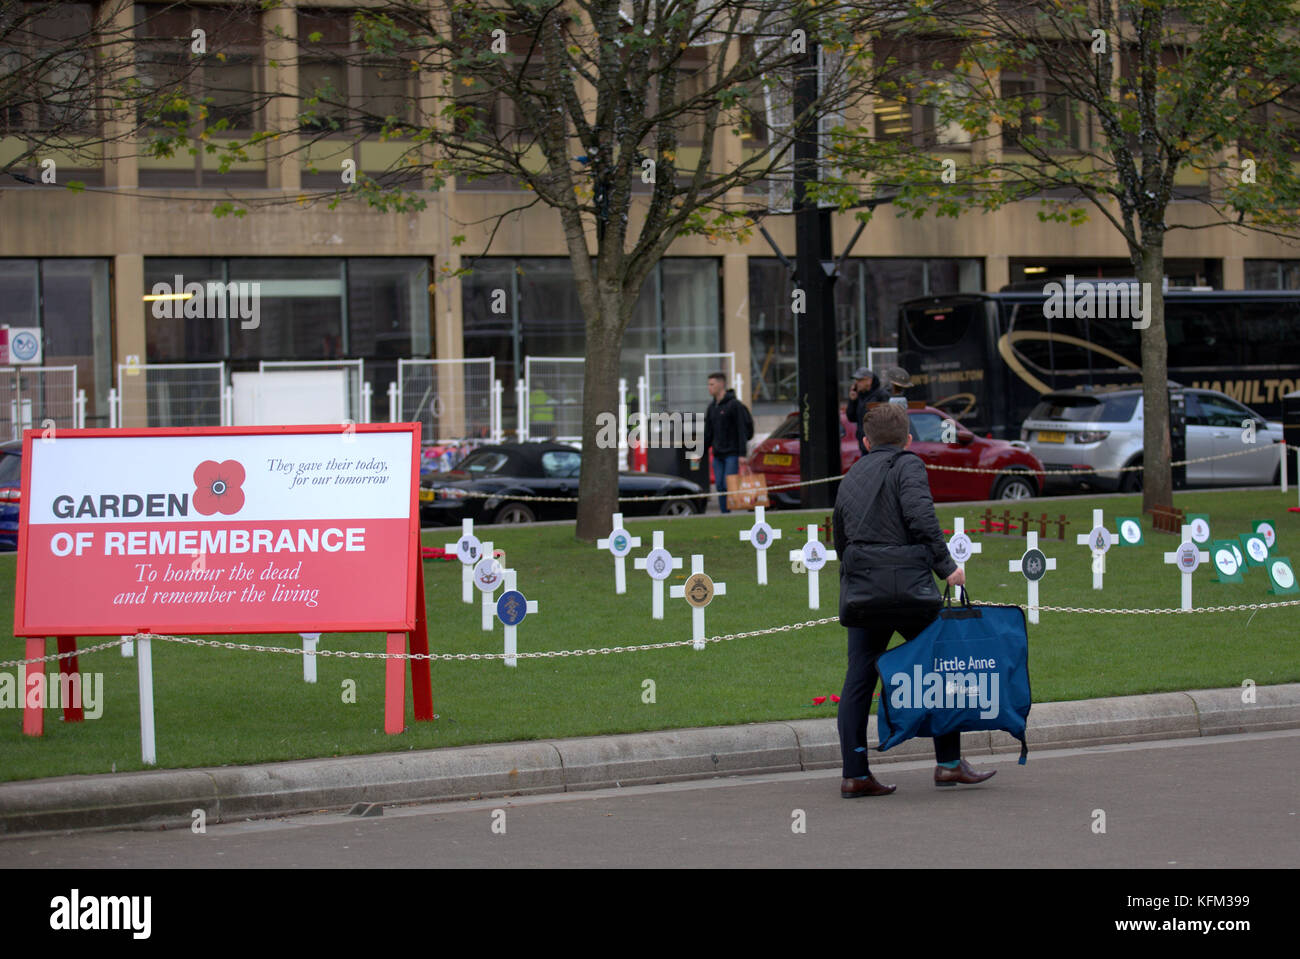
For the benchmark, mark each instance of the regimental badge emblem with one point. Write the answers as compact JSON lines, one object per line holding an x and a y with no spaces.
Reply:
{"x":699,"y":590}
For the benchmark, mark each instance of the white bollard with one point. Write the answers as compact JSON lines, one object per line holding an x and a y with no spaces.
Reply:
{"x":309,"y":644}
{"x":128,"y":648}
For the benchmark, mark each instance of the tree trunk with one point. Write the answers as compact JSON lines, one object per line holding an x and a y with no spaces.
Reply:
{"x":1157,"y":479}
{"x":598,"y":485}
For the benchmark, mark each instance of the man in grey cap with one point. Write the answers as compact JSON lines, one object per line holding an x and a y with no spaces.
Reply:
{"x":866,"y":389}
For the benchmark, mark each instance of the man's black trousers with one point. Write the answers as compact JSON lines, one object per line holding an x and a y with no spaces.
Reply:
{"x":865,"y":647}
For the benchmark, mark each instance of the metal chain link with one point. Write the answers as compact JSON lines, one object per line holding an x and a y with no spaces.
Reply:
{"x":603,"y":651}
{"x":477,"y":494}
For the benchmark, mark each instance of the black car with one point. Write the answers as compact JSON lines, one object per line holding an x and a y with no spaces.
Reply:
{"x":11,"y":481}
{"x":511,"y":470}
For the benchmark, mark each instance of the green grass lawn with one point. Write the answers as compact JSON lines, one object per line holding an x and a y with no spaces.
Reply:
{"x":217,"y":706}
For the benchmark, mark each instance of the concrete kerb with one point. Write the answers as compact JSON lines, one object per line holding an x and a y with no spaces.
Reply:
{"x":168,"y":798}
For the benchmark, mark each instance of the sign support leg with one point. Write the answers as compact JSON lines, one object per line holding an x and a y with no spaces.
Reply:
{"x":144,"y":659}
{"x":421,"y":669}
{"x":395,"y":685}
{"x":34,"y":716}
{"x":72,"y":712}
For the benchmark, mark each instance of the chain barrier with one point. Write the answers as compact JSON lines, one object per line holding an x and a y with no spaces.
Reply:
{"x":602,"y":651}
{"x":1004,"y":471}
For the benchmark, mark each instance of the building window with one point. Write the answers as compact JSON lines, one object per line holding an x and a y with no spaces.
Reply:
{"x":909,"y":65}
{"x":347,"y":96}
{"x":69,"y":301}
{"x":49,"y":84}
{"x":1272,"y":274}
{"x":374,"y":309}
{"x":867,"y":296}
{"x":208,"y":97}
{"x":515,"y":308}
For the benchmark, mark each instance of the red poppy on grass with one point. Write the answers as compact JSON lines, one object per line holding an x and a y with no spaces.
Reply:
{"x":834,"y":698}
{"x":818,"y":700}
{"x":217,"y":487}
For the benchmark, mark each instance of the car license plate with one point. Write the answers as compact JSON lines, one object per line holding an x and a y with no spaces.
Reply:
{"x":1045,"y":436}
{"x":777,"y":459}
{"x":426,"y":496}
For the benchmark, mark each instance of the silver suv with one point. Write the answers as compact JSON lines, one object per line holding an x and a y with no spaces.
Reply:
{"x":1101,"y":431}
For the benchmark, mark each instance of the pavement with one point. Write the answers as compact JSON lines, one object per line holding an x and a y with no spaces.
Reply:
{"x":1147,"y":805}
{"x":170,"y":798}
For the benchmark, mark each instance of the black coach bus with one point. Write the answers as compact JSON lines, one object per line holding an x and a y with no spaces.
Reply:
{"x":987,"y":357}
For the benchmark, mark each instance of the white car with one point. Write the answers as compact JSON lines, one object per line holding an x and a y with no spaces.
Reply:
{"x":1101,"y":431}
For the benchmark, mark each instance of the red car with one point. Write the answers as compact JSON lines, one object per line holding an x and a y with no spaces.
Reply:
{"x":777,"y":457}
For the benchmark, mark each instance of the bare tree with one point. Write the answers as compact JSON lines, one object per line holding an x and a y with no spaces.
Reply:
{"x":1107,"y":105}
{"x":616,"y":115}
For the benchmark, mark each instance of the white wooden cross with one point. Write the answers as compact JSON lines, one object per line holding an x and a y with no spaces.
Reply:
{"x":1187,"y":557}
{"x":813,"y":555}
{"x":961,"y":547}
{"x":1032,"y":570}
{"x":760,"y":536}
{"x":469,"y":551}
{"x":529,"y":606}
{"x":659,"y":563}
{"x":486,"y":561}
{"x":698,"y":602}
{"x":1098,"y":540}
{"x":619,"y":542}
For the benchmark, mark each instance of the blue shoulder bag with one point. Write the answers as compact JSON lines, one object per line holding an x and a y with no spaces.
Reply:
{"x":968,"y":670}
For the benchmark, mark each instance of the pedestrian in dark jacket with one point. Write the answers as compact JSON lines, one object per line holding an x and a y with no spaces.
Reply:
{"x":866,"y":388}
{"x":902,"y":515}
{"x":725,"y":433}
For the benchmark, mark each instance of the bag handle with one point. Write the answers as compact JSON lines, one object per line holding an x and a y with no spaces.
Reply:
{"x":965,"y":596}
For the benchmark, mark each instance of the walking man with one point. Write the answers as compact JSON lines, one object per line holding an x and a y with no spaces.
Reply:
{"x":885,"y":522}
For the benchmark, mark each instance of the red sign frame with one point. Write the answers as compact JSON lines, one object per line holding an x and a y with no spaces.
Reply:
{"x":413,"y":538}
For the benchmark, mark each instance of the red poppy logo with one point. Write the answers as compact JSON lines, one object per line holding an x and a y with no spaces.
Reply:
{"x":217,"y":487}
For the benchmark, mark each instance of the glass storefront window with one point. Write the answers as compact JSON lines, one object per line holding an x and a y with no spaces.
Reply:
{"x":69,"y":301}
{"x":677,"y":311}
{"x":372,"y":308}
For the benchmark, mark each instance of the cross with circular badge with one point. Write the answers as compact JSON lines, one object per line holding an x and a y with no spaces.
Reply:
{"x":488,"y":575}
{"x":469,"y":551}
{"x":1098,"y":541}
{"x":1187,"y":557}
{"x":813,"y":556}
{"x":698,"y":590}
{"x":1033,"y":564}
{"x":511,"y":609}
{"x":760,"y":536}
{"x":961,"y":547}
{"x":619,"y":543}
{"x":659,"y":564}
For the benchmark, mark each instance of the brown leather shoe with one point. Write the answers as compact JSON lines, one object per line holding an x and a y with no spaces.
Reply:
{"x":964,"y":773}
{"x":853,"y":788}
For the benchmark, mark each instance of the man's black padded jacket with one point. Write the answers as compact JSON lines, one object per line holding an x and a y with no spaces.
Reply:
{"x":909,"y":487}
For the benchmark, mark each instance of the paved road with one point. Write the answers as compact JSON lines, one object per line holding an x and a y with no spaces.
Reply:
{"x":1226,"y":801}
